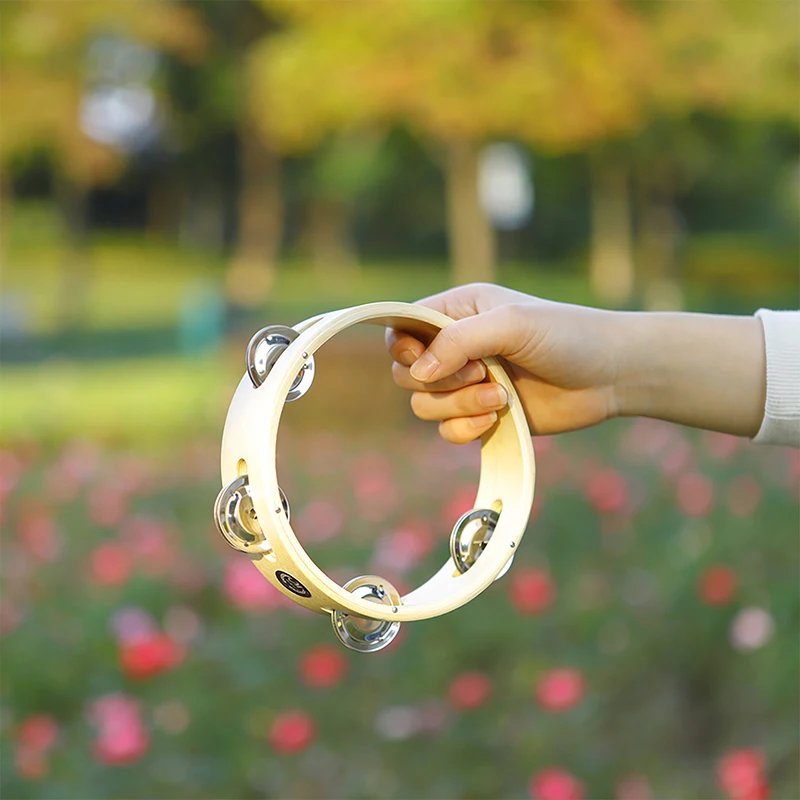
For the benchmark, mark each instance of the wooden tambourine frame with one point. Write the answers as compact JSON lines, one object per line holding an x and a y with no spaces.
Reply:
{"x":253,"y":516}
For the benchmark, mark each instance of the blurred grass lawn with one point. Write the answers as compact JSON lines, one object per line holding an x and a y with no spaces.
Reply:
{"x":139,"y":284}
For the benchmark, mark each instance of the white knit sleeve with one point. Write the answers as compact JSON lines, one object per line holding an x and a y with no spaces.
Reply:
{"x":781,"y":423}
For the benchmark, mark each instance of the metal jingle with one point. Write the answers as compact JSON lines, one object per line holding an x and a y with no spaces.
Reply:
{"x":263,"y":351}
{"x":236,"y":520}
{"x":470,"y":535}
{"x":285,"y":503}
{"x":367,"y":635}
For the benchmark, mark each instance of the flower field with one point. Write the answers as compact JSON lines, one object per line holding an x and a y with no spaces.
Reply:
{"x":643,"y":645}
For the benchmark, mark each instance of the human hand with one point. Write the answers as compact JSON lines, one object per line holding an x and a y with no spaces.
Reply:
{"x":559,"y":357}
{"x":574,"y":366}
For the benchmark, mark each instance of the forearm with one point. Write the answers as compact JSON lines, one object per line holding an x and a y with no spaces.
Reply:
{"x":693,"y":369}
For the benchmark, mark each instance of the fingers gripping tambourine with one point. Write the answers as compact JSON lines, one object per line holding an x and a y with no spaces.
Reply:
{"x":252,"y":513}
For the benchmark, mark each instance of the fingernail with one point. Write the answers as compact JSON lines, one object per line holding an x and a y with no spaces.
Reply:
{"x":424,"y":367}
{"x":407,"y":357}
{"x":472,"y":373}
{"x":484,"y":420}
{"x":493,"y":396}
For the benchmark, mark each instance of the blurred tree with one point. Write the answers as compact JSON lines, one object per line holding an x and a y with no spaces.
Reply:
{"x":568,"y":76}
{"x":341,"y":169}
{"x":215,"y":119}
{"x":733,"y":59}
{"x":556,"y":75}
{"x":46,"y":78}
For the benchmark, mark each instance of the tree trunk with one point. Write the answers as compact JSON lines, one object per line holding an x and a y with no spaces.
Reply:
{"x":332,"y":250}
{"x":471,"y":236}
{"x":165,"y":204}
{"x":658,"y":245}
{"x":251,"y":273}
{"x":611,"y":271}
{"x":76,"y":273}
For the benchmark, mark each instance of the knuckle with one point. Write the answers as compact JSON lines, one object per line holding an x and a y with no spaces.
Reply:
{"x":466,"y":401}
{"x":479,"y":286}
{"x":400,"y":375}
{"x":419,"y":405}
{"x":455,"y":431}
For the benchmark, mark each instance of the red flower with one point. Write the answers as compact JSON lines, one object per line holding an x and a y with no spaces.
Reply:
{"x":607,"y":491}
{"x":560,"y":689}
{"x":38,"y":732}
{"x":470,"y":690}
{"x":292,"y":732}
{"x":740,"y":774}
{"x":148,"y":656}
{"x":695,"y":495}
{"x":531,"y":591}
{"x":110,"y":564}
{"x":323,"y":666}
{"x":555,"y":784}
{"x":717,"y":585}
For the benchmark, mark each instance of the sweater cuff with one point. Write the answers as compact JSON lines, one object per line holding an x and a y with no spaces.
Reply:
{"x":781,"y":423}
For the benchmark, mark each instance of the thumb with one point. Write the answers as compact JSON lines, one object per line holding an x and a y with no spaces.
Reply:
{"x":490,"y":334}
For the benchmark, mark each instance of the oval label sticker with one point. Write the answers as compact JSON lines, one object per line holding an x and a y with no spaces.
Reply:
{"x":291,"y":583}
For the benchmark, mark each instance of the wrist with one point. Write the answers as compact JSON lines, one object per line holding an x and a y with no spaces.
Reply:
{"x":639,"y":372}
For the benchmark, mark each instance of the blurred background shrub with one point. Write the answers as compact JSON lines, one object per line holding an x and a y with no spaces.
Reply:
{"x":174,"y":175}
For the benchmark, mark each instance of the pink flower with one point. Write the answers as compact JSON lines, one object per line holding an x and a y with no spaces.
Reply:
{"x":123,"y":745}
{"x":634,"y":787}
{"x":607,"y":491}
{"x":10,"y":471}
{"x":740,"y":774}
{"x":319,"y":521}
{"x":560,"y":689}
{"x":150,"y":540}
{"x":375,"y":489}
{"x":323,"y":666}
{"x":462,"y":501}
{"x":107,"y":505}
{"x":531,"y":590}
{"x":247,"y":589}
{"x":556,"y":784}
{"x":721,"y":446}
{"x":111,"y":709}
{"x":717,"y":585}
{"x":122,"y":738}
{"x":11,"y":615}
{"x":31,"y":764}
{"x":110,"y":564}
{"x":39,"y":534}
{"x":744,"y":495}
{"x":292,"y":732}
{"x":404,"y":547}
{"x":470,"y":690}
{"x":677,"y":459}
{"x":695,"y":494}
{"x":38,"y":732}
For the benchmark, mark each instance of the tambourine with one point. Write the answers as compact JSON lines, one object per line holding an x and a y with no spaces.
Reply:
{"x":253,"y":515}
